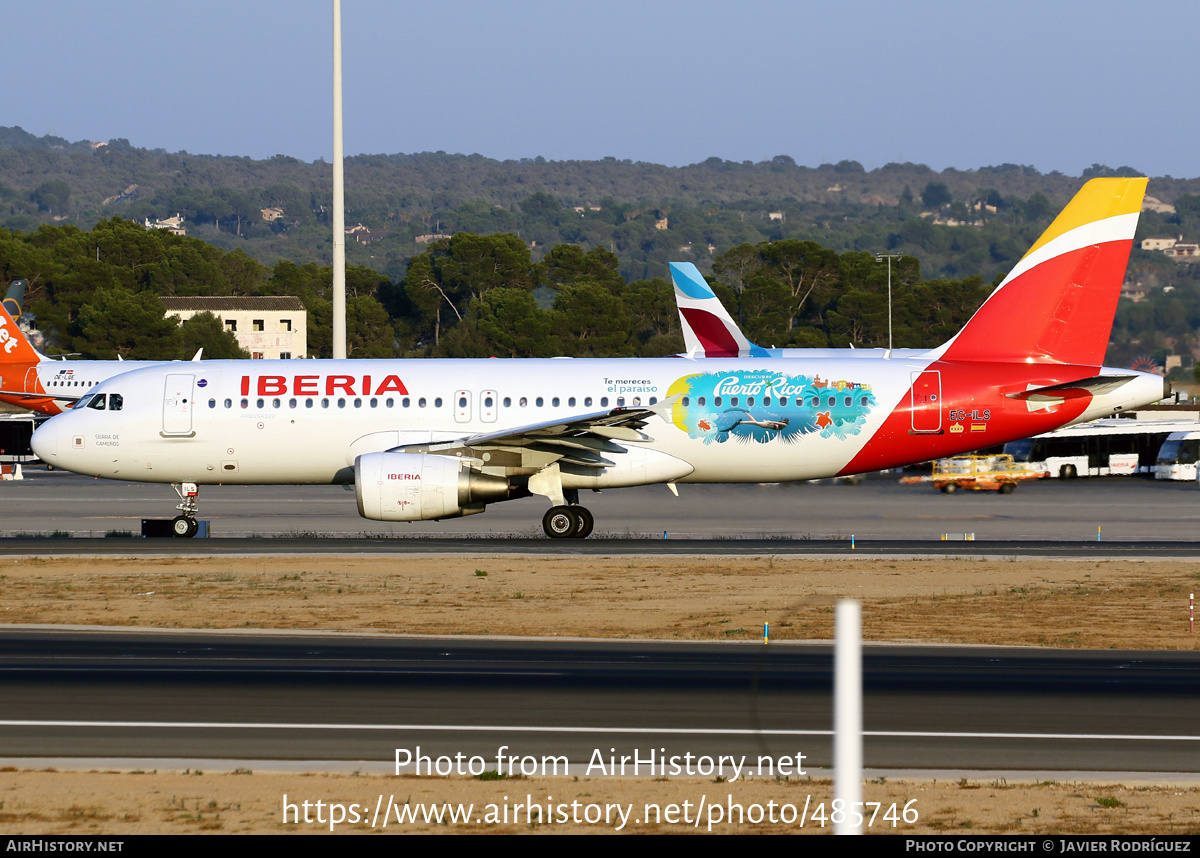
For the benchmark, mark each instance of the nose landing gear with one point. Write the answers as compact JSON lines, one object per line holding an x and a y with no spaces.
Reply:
{"x":185,"y":525}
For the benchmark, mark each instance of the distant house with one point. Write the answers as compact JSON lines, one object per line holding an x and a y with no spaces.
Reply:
{"x":272,"y":214}
{"x":1158,"y":242}
{"x":1183,"y":251}
{"x":174,"y":225}
{"x":433,"y":236}
{"x":268,"y":327}
{"x":661,"y":223}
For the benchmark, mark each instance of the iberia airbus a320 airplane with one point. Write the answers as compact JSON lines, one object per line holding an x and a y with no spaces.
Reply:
{"x":434,"y":439}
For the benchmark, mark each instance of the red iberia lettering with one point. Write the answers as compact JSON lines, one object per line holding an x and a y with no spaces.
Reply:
{"x":392,"y":384}
{"x":245,"y":385}
{"x":343,"y":382}
{"x":305,"y":385}
{"x":271,"y":385}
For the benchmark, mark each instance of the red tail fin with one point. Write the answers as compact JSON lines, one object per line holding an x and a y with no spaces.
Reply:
{"x":1057,"y":304}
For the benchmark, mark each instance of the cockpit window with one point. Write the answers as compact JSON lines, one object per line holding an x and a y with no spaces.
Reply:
{"x":99,"y":401}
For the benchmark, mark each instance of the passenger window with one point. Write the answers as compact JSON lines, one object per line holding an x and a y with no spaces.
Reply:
{"x":229,"y":403}
{"x":291,"y":403}
{"x":374,"y":402}
{"x":539,"y":402}
{"x":733,"y":400}
{"x":245,"y":403}
{"x":212,"y":403}
{"x":620,"y":402}
{"x":308,"y":403}
{"x":405,"y":402}
{"x":421,"y":402}
{"x":587,"y":402}
{"x":571,"y":402}
{"x":604,"y":402}
{"x":554,"y":402}
{"x":275,"y":403}
{"x":717,"y":401}
{"x":508,"y":402}
{"x":357,"y":403}
{"x":849,"y":400}
{"x":258,"y":403}
{"x":700,"y":401}
{"x":437,"y":403}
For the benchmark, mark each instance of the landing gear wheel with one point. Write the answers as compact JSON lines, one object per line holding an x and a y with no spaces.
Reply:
{"x":560,"y":522}
{"x":184,"y":527}
{"x":584,"y":522}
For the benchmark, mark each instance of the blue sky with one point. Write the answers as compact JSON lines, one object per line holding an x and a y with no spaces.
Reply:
{"x":1059,"y":85}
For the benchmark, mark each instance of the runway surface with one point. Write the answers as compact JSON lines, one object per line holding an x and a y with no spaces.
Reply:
{"x":1123,"y":508}
{"x":129,"y":694}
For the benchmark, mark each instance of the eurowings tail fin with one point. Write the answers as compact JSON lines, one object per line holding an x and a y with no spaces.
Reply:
{"x":708,"y":328}
{"x":1057,"y":304}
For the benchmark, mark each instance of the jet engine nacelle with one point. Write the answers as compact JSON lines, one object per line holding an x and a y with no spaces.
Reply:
{"x":422,"y":486}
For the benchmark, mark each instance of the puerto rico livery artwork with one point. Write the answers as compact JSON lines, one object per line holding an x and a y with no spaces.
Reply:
{"x":760,"y":406}
{"x":435,"y":439}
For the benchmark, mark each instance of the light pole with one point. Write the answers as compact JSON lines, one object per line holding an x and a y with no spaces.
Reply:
{"x":879,"y":257}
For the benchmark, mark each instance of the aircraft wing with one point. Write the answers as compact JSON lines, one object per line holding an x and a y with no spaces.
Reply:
{"x":579,"y":440}
{"x":23,"y":394}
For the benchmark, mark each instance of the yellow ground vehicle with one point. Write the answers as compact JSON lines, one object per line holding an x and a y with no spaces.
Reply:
{"x":978,"y":473}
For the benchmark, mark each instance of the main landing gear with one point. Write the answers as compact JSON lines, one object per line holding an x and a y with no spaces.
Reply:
{"x":185,"y":525}
{"x":568,"y":522}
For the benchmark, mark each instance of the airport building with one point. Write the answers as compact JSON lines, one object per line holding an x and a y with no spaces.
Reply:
{"x":267,"y":327}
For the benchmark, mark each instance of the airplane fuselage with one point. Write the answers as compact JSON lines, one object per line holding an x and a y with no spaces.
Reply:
{"x":748,"y":420}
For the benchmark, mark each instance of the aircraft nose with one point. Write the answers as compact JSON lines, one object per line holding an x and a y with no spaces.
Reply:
{"x":45,"y":442}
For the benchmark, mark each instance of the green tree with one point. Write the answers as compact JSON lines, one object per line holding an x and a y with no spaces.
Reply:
{"x":206,"y":331}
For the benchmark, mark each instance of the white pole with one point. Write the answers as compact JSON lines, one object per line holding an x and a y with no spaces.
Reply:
{"x":847,"y":716}
{"x":339,"y":195}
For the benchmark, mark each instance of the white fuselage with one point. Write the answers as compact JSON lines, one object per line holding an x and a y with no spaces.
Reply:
{"x":736,"y":420}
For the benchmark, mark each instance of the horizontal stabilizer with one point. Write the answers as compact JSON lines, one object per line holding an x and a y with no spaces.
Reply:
{"x":1094,"y":386}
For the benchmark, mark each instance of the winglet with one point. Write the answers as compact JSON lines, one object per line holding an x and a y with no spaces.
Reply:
{"x":707,"y":325}
{"x":1057,"y":304}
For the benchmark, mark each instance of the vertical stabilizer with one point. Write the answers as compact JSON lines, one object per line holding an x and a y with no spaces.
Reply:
{"x":15,"y":348}
{"x":708,"y":328}
{"x":1057,"y":304}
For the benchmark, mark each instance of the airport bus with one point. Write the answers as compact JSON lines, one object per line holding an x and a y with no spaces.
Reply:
{"x":1108,"y":447}
{"x":1178,"y":455}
